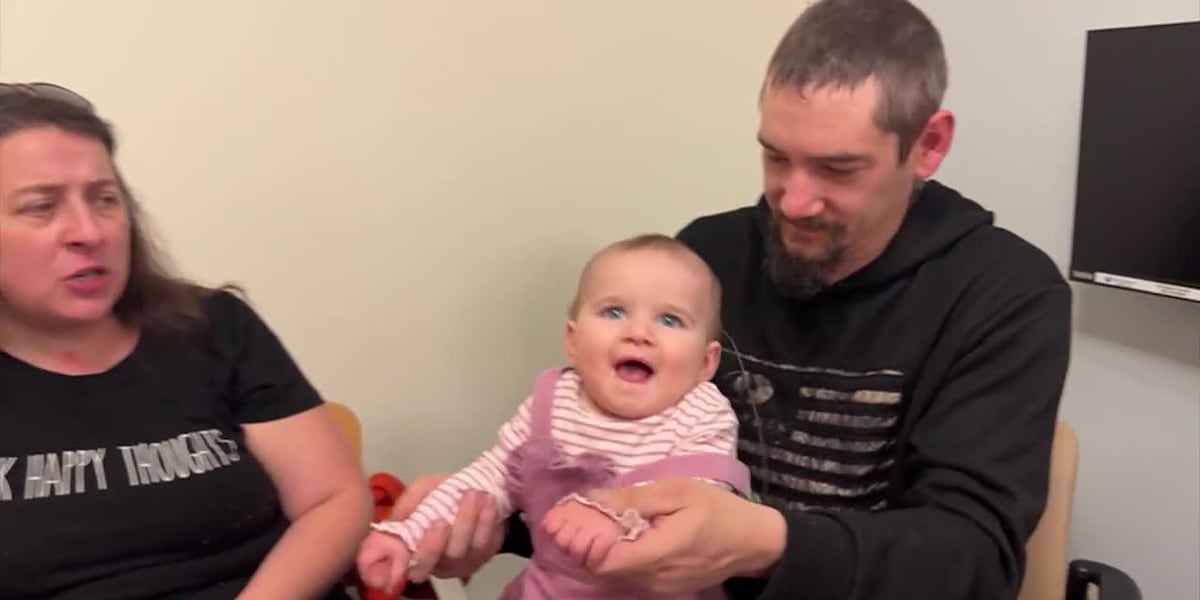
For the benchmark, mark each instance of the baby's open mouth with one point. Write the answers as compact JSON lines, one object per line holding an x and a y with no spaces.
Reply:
{"x":634,"y":370}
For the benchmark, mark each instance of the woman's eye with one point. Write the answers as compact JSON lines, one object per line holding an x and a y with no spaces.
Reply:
{"x":671,"y":321}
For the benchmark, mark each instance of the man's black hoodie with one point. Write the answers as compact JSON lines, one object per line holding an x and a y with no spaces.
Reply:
{"x":907,"y":410}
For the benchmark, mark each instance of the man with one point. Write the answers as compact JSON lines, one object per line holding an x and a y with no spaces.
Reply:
{"x":896,"y":359}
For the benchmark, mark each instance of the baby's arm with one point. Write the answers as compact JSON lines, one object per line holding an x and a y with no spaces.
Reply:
{"x":489,"y":473}
{"x":716,"y":434}
{"x":715,"y":431}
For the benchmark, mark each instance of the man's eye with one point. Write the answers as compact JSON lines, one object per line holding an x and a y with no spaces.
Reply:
{"x":671,"y":321}
{"x":836,"y":171}
{"x":40,"y":207}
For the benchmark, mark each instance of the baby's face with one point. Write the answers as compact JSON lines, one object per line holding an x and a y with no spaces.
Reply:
{"x":640,"y":338}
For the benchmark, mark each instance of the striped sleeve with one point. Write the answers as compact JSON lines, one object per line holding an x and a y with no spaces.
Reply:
{"x":488,"y":473}
{"x":710,"y":422}
{"x":713,"y":426}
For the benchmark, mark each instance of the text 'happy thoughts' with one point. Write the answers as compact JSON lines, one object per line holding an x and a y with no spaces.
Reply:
{"x":68,"y":472}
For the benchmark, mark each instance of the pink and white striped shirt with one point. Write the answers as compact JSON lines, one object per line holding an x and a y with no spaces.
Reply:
{"x":701,"y":423}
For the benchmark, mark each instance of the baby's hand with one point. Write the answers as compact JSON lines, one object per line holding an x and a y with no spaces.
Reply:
{"x":584,"y":533}
{"x":383,"y":562}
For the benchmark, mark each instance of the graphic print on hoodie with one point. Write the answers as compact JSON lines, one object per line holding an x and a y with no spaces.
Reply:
{"x":827,"y":388}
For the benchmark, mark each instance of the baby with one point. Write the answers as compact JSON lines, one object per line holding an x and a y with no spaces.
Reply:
{"x":634,"y":406}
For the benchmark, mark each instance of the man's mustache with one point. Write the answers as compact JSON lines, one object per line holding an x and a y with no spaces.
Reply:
{"x":807,"y":224}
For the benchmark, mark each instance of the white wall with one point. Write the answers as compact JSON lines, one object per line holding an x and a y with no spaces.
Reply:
{"x":407,"y":189}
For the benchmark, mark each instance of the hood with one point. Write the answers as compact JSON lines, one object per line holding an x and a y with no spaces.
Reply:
{"x":938,"y":219}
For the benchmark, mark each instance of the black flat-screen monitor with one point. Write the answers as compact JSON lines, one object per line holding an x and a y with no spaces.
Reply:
{"x":1137,"y":201}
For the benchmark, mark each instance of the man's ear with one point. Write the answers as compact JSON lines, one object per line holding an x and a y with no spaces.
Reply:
{"x":712,"y":358}
{"x":933,"y":145}
{"x":569,"y":341}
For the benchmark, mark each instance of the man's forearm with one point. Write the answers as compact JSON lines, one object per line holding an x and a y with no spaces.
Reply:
{"x":768,"y":543}
{"x":761,"y":560}
{"x":315,"y":551}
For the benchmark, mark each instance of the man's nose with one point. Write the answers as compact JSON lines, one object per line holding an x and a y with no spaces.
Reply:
{"x":801,"y":196}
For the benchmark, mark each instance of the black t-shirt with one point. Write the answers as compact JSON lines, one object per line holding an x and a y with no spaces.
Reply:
{"x":136,"y":482}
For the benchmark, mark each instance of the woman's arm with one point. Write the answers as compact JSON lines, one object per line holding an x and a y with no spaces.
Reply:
{"x":323,"y":493}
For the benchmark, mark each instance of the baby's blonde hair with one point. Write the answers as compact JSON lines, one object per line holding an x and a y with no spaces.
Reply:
{"x":656,"y":241}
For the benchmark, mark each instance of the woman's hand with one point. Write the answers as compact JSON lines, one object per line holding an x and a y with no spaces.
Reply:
{"x":457,"y":551}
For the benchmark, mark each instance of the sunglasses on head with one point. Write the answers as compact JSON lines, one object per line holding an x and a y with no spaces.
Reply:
{"x":43,"y":89}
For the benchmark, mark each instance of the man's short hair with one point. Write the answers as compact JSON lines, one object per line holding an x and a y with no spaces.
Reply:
{"x":844,"y":42}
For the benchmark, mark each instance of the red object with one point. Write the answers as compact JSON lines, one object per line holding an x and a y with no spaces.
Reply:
{"x":385,"y":491}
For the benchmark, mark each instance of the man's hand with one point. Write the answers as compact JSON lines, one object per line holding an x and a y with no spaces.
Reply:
{"x":700,"y":536}
{"x":584,"y":533}
{"x":460,"y":551}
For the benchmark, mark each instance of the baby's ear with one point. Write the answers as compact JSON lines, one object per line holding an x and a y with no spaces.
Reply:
{"x":569,"y":341}
{"x":712,"y":358}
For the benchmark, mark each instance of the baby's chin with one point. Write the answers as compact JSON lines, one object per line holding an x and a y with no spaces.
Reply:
{"x":634,"y":406}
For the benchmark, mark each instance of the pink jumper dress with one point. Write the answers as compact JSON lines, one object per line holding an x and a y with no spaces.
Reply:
{"x":547,"y":475}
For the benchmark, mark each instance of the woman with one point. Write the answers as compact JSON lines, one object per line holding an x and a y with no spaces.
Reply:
{"x":156,"y":440}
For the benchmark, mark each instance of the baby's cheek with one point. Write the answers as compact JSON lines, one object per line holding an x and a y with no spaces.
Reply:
{"x":677,"y":377}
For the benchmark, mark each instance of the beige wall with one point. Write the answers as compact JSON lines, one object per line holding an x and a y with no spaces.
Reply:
{"x":407,"y":189}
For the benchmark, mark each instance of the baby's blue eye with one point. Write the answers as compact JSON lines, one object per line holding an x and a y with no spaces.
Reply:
{"x":613,"y":312}
{"x":671,"y":321}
